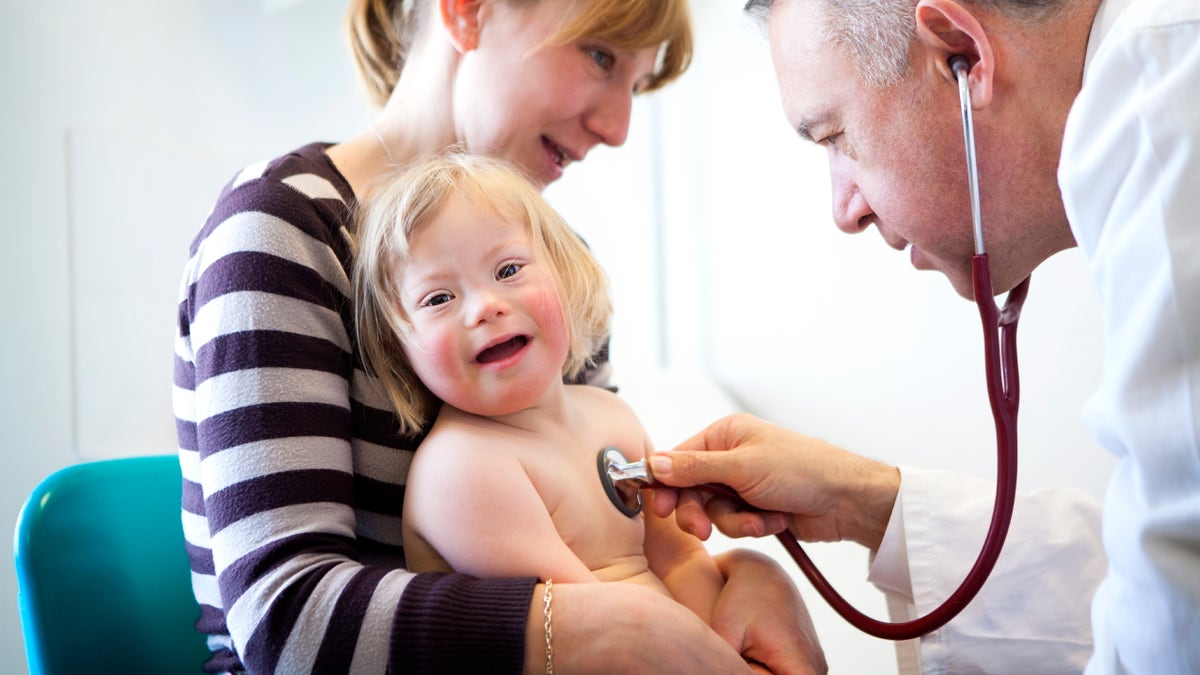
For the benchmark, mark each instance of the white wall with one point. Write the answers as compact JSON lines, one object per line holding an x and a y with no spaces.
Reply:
{"x":125,"y":117}
{"x":122,"y":120}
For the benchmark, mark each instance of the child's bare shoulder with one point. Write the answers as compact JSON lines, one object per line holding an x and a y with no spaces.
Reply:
{"x":462,"y":436}
{"x":598,"y":396}
{"x":610,"y":413}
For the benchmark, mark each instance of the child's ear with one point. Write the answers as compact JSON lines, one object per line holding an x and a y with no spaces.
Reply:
{"x":947,"y":28}
{"x":460,"y":18}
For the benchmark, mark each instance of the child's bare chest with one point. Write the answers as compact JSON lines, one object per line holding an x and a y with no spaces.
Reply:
{"x":565,"y":473}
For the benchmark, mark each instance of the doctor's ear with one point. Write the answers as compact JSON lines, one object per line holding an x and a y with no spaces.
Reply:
{"x":946,"y":29}
{"x":460,"y":18}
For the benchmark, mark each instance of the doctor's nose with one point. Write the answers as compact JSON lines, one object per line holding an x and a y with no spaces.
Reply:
{"x":851,"y":212}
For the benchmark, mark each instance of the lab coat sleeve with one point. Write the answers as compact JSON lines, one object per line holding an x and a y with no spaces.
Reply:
{"x":1032,"y":615}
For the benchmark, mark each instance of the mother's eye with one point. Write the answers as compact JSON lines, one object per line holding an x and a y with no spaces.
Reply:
{"x":601,"y":57}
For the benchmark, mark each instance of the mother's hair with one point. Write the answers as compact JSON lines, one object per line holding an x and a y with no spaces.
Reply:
{"x":382,"y":33}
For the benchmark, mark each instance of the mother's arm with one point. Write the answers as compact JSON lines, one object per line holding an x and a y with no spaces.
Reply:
{"x":623,"y":628}
{"x":273,"y":494}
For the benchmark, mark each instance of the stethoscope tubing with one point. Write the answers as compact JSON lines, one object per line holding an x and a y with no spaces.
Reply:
{"x":1000,"y":345}
{"x":1000,"y":358}
{"x":1003,"y":383}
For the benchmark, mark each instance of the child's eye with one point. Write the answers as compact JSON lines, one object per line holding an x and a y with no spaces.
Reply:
{"x":507,"y":270}
{"x":437,"y":299}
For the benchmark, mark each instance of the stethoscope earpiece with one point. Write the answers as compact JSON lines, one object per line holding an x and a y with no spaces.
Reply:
{"x":961,"y":68}
{"x":959,"y":65}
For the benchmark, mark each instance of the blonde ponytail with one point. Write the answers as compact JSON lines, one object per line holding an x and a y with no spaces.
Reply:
{"x":380,"y":33}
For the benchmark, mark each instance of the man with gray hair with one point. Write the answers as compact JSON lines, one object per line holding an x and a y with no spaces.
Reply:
{"x":1087,"y":119}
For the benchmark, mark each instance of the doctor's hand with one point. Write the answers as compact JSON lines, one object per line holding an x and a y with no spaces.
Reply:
{"x":816,"y":490}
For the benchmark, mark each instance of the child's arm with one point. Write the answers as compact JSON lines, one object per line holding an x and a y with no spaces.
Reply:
{"x":478,"y":509}
{"x":681,"y":561}
{"x":683,"y":564}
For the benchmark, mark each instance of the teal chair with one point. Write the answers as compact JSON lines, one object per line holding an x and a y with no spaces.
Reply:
{"x":102,"y":573}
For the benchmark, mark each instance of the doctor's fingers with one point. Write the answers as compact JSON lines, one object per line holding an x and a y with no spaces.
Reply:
{"x":696,"y":512}
{"x":688,"y":506}
{"x":727,"y":433}
{"x":663,"y":500}
{"x":735,"y":522}
{"x":757,"y":459}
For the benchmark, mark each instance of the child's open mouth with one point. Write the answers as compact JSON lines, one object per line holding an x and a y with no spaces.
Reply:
{"x":502,"y":351}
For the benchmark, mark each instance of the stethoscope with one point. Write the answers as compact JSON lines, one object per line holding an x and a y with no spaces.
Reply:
{"x":623,"y":480}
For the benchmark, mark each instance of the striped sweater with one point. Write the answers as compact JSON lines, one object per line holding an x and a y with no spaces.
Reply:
{"x":293,"y":474}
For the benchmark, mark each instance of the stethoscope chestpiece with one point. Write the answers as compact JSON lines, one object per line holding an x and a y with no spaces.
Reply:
{"x":623,"y":480}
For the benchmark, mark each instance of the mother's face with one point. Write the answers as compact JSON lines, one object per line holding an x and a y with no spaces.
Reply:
{"x":543,"y":105}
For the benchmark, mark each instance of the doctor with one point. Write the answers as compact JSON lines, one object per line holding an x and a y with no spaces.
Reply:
{"x":1087,"y":122}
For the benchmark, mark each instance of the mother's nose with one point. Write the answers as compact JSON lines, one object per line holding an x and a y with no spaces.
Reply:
{"x":609,"y":118}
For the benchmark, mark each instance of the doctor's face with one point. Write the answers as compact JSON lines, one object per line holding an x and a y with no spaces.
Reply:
{"x":896,"y":157}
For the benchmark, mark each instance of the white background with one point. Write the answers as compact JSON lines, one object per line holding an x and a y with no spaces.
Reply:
{"x":125,"y":117}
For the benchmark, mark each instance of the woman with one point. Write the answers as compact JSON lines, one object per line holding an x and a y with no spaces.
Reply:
{"x":293,"y":467}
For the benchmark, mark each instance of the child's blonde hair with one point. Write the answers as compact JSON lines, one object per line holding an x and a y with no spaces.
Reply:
{"x":406,"y":200}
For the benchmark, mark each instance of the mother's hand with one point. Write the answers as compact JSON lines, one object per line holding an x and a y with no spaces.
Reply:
{"x":623,"y":628}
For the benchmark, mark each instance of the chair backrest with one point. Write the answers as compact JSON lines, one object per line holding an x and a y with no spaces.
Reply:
{"x":102,"y":573}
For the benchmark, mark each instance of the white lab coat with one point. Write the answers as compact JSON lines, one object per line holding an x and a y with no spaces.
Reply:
{"x":1032,"y":614}
{"x":1130,"y":179}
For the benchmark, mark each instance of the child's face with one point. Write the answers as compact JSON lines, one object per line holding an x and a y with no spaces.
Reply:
{"x":488,"y":334}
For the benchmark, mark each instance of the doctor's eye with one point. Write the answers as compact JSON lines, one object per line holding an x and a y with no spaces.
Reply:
{"x":830,"y":140}
{"x":507,"y":270}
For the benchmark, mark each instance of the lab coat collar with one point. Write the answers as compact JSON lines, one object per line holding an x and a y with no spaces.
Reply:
{"x":1106,"y":17}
